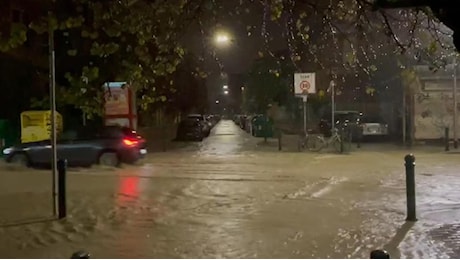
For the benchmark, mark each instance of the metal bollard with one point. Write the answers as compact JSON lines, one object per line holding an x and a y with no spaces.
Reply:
{"x":410,"y":187}
{"x":349,"y":139}
{"x":379,"y":254}
{"x":446,"y":138}
{"x":62,"y":202}
{"x":279,"y":140}
{"x":80,"y":255}
{"x":360,"y":137}
{"x":341,"y":140}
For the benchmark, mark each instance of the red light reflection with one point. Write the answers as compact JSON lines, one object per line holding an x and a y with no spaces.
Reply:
{"x":128,"y":190}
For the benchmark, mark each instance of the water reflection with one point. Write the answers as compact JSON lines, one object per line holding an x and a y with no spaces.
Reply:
{"x":128,"y":191}
{"x":128,"y":196}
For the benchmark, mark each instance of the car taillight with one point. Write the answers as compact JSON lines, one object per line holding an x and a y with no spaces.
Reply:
{"x":130,"y":142}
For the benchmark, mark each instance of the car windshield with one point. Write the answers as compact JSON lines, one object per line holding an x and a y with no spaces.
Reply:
{"x":199,"y":117}
{"x":374,"y":119}
{"x":190,"y":122}
{"x":129,"y":132}
{"x":350,"y":117}
{"x":117,"y":132}
{"x":341,"y":117}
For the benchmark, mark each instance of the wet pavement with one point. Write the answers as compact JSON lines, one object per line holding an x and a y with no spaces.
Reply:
{"x":232,"y":196}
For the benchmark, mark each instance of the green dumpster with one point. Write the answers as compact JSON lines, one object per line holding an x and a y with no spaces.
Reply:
{"x":262,"y":127}
{"x":9,"y":135}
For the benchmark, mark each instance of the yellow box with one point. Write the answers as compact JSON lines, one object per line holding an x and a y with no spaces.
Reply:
{"x":36,"y":125}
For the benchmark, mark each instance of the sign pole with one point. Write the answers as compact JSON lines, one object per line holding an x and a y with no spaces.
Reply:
{"x":304,"y":84}
{"x":455,"y":103}
{"x":304,"y":97}
{"x":52,"y":89}
{"x":332,"y":86}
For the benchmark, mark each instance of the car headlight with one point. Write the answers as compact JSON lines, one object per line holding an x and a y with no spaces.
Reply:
{"x":7,"y":150}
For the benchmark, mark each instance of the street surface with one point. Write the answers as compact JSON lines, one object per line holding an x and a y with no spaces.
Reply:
{"x":232,"y":196}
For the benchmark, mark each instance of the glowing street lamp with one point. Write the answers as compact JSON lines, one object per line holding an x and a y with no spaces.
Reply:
{"x":217,"y":101}
{"x":222,"y":38}
{"x":225,"y":87}
{"x":226,"y":92}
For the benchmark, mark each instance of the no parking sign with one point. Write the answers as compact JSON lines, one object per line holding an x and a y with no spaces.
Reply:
{"x":304,"y":83}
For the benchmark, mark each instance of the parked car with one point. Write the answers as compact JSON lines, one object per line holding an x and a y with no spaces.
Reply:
{"x":206,"y":125}
{"x":374,"y":126}
{"x":347,"y":119}
{"x":190,"y":129}
{"x":214,"y":119}
{"x":109,"y":145}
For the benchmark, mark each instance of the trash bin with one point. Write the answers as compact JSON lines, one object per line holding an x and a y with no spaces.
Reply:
{"x":8,"y":135}
{"x":263,"y":127}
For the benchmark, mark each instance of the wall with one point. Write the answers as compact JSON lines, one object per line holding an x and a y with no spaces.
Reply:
{"x":433,"y":106}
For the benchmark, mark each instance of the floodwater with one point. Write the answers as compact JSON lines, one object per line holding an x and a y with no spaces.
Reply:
{"x":232,"y":197}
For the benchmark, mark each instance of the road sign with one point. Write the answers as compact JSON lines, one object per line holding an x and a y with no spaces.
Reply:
{"x":304,"y":83}
{"x":304,"y":86}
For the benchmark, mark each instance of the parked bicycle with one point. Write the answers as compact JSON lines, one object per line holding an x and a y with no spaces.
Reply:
{"x":318,"y":142}
{"x":306,"y":141}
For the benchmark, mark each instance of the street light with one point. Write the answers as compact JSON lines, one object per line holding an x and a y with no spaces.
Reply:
{"x":225,"y":87}
{"x":226,"y":92}
{"x":222,"y":38}
{"x":217,"y":101}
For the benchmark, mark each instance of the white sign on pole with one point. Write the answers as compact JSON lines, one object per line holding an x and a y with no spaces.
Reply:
{"x":304,"y":83}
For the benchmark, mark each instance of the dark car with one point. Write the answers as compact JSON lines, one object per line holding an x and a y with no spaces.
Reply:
{"x":213,"y":119}
{"x":109,"y":145}
{"x":205,"y":124}
{"x":190,"y":129}
{"x":348,"y":120}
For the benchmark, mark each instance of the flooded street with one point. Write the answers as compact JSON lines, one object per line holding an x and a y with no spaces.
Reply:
{"x":229,"y":197}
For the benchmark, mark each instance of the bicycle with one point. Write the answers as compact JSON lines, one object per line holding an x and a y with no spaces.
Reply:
{"x":335,"y":139}
{"x":306,"y":140}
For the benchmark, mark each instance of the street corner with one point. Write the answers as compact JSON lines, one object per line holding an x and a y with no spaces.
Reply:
{"x":447,"y":238}
{"x":431,"y":240}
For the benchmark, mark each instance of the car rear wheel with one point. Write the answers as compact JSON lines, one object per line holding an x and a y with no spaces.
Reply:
{"x":20,"y":159}
{"x":109,"y":159}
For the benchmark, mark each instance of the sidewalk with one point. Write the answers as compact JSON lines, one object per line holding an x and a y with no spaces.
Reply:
{"x":436,"y":234}
{"x":289,"y":143}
